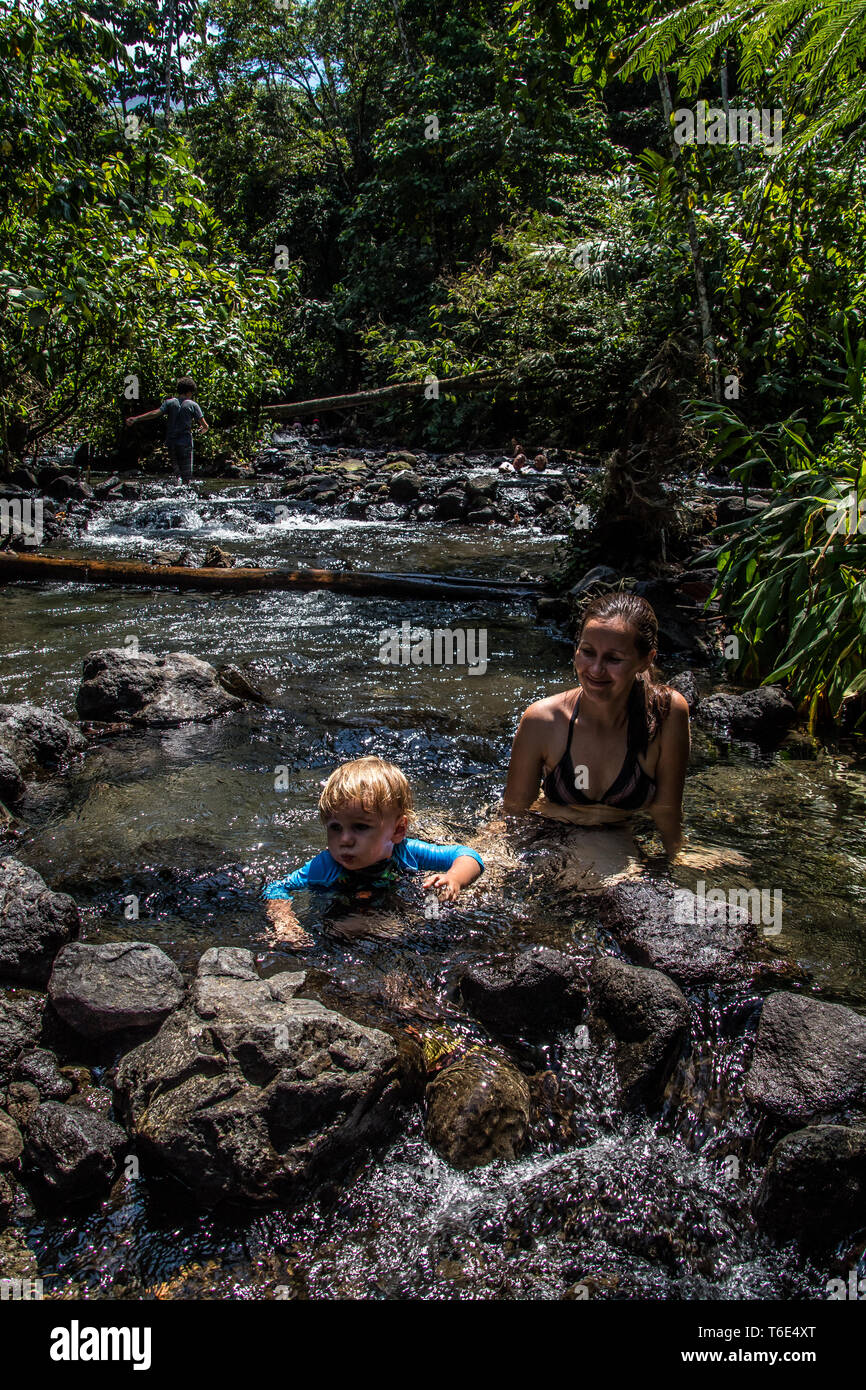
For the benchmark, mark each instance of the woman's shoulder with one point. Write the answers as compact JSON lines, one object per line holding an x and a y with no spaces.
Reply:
{"x":548,"y":710}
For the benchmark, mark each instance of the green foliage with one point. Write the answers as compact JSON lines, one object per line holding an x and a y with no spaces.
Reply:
{"x":113,"y":263}
{"x":794,"y":574}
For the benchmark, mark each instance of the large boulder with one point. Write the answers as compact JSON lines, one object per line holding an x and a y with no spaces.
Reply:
{"x":148,"y":689}
{"x":761,"y":714}
{"x":719,"y":946}
{"x":477,"y":1110}
{"x":20,"y":1028}
{"x":122,"y":984}
{"x":814,"y":1186}
{"x":538,"y":991}
{"x":34,"y":924}
{"x":649,"y":1016}
{"x":809,"y":1061}
{"x":250,"y":1092}
{"x":74,"y":1151}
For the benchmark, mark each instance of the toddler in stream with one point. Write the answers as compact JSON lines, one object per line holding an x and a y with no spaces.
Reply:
{"x":366,"y":806}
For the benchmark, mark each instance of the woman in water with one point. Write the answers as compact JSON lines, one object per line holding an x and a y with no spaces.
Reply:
{"x":618,"y":742}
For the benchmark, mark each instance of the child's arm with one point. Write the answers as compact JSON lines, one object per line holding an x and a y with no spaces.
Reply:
{"x":447,"y":886}
{"x":453,"y":866}
{"x":148,"y":415}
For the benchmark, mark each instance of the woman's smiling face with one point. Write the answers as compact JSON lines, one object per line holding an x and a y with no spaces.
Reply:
{"x":359,"y":838}
{"x":606,"y":660}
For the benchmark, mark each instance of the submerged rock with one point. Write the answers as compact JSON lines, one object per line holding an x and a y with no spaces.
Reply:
{"x":249,"y":1092}
{"x":34,"y":924}
{"x":75,"y":1151}
{"x":537,"y":991}
{"x":809,"y":1060}
{"x":148,"y":689}
{"x":649,"y":1016}
{"x":814,"y":1186}
{"x":762,"y":713}
{"x":105,"y":989}
{"x":477,"y":1110}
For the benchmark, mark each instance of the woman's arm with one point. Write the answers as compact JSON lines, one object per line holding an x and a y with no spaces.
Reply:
{"x":667,"y":807}
{"x":527,"y":762}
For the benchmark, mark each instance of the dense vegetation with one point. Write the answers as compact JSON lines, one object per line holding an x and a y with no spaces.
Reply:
{"x":297,"y":197}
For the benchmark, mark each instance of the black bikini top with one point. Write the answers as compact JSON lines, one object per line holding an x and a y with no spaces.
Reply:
{"x":631,"y":790}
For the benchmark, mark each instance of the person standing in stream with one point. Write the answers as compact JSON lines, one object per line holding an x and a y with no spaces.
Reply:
{"x":181,"y":412}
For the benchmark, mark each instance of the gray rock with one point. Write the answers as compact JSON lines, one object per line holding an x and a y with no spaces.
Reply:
{"x":809,"y":1060}
{"x":20,"y":1028}
{"x":537,"y":991}
{"x":758,"y":714}
{"x":148,"y":689}
{"x":477,"y":1110}
{"x":814,"y":1185}
{"x":601,"y":575}
{"x":720,"y":947}
{"x":75,"y":1151}
{"x":37,"y":738}
{"x":649,"y":1017}
{"x":405,"y":486}
{"x":250,"y":1092}
{"x":68,"y":489}
{"x":687,"y":686}
{"x":11,"y":1143}
{"x":105,"y":989}
{"x":450,"y":505}
{"x":41,"y":1068}
{"x":34,"y":924}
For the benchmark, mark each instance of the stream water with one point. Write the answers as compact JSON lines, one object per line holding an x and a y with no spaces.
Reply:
{"x":191,"y":822}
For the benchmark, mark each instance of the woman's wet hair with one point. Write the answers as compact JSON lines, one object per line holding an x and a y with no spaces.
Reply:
{"x":649,"y":702}
{"x":378,"y":786}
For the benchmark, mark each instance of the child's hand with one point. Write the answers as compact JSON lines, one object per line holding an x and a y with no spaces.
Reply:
{"x":444,"y":886}
{"x":287,"y":930}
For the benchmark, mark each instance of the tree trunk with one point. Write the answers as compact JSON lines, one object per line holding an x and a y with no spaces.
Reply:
{"x":398,"y":391}
{"x":60,"y":569}
{"x":706,"y":316}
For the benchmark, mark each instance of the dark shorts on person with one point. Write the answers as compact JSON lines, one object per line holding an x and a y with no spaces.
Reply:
{"x":180,"y":460}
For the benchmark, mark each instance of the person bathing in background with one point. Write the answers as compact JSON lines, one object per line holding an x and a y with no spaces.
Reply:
{"x":616,"y":743}
{"x":182,"y":412}
{"x":366,"y":806}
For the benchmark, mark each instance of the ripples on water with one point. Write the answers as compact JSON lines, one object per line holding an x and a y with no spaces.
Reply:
{"x":190,"y":821}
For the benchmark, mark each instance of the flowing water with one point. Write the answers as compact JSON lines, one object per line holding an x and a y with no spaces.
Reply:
{"x":193,"y":821}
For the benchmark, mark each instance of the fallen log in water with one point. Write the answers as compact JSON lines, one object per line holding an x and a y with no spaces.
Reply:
{"x":399,"y":391}
{"x":61,"y":569}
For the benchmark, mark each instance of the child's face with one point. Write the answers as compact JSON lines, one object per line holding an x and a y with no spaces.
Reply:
{"x":359,"y":838}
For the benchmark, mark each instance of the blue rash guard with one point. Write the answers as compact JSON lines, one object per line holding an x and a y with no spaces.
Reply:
{"x":412,"y":855}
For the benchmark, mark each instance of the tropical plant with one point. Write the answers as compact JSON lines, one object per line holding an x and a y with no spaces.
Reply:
{"x":793,"y":574}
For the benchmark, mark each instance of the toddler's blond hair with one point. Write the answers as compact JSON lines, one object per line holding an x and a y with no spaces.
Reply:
{"x":378,"y":786}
